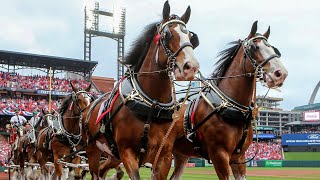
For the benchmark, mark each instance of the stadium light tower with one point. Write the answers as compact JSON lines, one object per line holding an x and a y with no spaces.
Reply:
{"x":91,"y":29}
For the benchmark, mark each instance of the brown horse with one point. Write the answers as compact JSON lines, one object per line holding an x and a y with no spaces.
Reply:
{"x":18,"y":136}
{"x":27,"y":145}
{"x":65,"y":137}
{"x":139,"y":109}
{"x":217,"y":125}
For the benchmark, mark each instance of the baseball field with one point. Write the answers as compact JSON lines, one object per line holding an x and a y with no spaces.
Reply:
{"x":254,"y":173}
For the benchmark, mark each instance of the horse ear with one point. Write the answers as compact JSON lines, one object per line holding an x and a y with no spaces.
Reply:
{"x":253,"y":30}
{"x":74,"y":89}
{"x":267,"y":33}
{"x":166,"y":11}
{"x":186,"y":16}
{"x":88,"y":88}
{"x":43,"y":111}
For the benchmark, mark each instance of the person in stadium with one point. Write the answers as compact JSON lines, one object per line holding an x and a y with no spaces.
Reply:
{"x":35,"y":118}
{"x":17,"y":120}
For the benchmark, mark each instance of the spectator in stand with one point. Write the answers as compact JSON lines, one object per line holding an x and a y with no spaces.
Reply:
{"x":35,"y":118}
{"x":18,"y":120}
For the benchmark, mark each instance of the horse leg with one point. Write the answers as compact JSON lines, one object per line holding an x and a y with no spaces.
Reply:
{"x":94,"y":155}
{"x":42,"y":161}
{"x":58,"y":152}
{"x":130,"y":162}
{"x":110,"y":163}
{"x":162,"y":168}
{"x":239,"y":170}
{"x":220,"y":159}
{"x":77,"y":173}
{"x":119,"y":173}
{"x":21,"y":163}
{"x":180,"y":162}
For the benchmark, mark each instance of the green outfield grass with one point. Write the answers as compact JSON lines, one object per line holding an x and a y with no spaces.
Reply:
{"x":315,"y":156}
{"x":200,"y":173}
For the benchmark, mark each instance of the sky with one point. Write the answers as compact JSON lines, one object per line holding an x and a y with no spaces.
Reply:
{"x":55,"y":27}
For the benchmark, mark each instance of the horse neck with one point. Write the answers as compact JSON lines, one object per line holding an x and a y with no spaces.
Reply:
{"x":70,"y":120}
{"x":156,"y":85}
{"x":239,"y":89}
{"x":40,"y":127}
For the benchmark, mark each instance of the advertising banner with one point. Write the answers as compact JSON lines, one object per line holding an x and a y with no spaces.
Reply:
{"x":273,"y":163}
{"x":265,"y":136}
{"x":311,"y":116}
{"x":307,"y":139}
{"x":58,"y":93}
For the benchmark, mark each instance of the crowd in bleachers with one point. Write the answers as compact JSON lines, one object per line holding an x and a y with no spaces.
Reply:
{"x":37,"y":82}
{"x":25,"y":104}
{"x":305,"y":129}
{"x":266,"y":150}
{"x":4,"y":150}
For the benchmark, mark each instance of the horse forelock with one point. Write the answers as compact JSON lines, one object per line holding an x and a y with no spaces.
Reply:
{"x":225,"y":58}
{"x":140,"y":47}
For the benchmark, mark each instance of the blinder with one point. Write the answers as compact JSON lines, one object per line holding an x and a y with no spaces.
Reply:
{"x":167,"y":35}
{"x":276,"y":50}
{"x":194,"y":40}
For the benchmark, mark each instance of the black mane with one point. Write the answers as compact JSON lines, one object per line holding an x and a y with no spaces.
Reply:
{"x":140,"y":47}
{"x":65,"y":103}
{"x":225,"y":58}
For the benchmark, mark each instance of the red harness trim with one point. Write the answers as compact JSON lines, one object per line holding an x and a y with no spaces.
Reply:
{"x":192,"y":117}
{"x":113,"y":101}
{"x":109,"y":109}
{"x":156,"y":39}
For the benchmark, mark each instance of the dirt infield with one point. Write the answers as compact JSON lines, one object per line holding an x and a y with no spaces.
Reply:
{"x":3,"y":176}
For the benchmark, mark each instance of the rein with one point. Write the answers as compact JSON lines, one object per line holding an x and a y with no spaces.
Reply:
{"x":175,"y":117}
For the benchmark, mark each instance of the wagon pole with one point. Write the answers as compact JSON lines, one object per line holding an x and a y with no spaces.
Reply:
{"x":50,"y":88}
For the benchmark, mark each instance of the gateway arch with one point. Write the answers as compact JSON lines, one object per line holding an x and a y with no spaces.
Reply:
{"x":314,"y":94}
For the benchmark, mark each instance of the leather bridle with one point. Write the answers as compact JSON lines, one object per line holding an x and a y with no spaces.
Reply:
{"x":258,"y":68}
{"x":163,"y":30}
{"x":75,"y":99}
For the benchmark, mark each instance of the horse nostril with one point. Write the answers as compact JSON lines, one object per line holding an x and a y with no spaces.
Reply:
{"x":186,"y":66}
{"x":277,"y":73}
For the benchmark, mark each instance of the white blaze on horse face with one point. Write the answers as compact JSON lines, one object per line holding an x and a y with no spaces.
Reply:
{"x":50,"y":121}
{"x":189,"y":61}
{"x":277,"y":72}
{"x":87,"y":99}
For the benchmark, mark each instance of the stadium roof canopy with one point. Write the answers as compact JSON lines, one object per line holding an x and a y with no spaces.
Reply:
{"x":302,"y":123}
{"x":45,"y":62}
{"x":308,"y":107}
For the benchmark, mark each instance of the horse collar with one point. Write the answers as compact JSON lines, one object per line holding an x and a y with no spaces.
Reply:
{"x":137,"y":101}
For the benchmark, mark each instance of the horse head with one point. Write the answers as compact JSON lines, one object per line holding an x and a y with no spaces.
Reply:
{"x":80,"y":99}
{"x":45,"y":120}
{"x":264,"y":58}
{"x":176,"y":44}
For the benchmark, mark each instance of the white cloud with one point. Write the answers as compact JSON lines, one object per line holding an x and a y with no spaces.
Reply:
{"x":56,"y":27}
